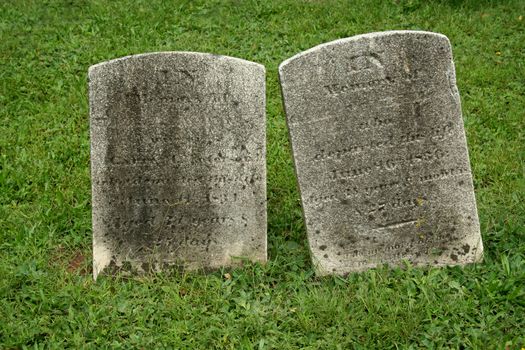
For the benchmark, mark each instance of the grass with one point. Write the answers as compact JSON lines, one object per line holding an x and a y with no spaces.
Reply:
{"x":47,"y":296}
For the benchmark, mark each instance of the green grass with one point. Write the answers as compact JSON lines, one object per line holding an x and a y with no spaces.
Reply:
{"x":47,"y":296}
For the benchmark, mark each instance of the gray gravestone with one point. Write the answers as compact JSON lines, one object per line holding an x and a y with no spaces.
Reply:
{"x":380,"y":152}
{"x":178,"y":161}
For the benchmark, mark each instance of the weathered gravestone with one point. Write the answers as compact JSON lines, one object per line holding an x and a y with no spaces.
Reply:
{"x":177,"y":161}
{"x":380,"y":152}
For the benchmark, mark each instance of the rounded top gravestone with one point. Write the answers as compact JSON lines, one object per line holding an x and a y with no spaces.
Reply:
{"x":380,"y":152}
{"x":178,"y":161}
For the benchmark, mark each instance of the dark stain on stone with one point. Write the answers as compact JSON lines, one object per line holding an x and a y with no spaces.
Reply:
{"x":326,"y":256}
{"x":323,"y":247}
{"x":466,"y":248}
{"x":345,"y":201}
{"x":146,"y":267}
{"x":454,"y":257}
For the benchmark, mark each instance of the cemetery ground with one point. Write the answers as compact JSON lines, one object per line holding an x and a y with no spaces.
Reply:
{"x":47,"y":295}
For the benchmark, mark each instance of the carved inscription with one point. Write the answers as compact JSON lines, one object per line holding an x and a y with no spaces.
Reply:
{"x":358,"y":190}
{"x":406,"y":138}
{"x":382,"y":82}
{"x":178,"y":161}
{"x":229,"y":155}
{"x":380,"y":153}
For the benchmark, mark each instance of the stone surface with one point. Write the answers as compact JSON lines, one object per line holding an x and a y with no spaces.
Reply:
{"x":380,"y":152}
{"x":178,"y":143}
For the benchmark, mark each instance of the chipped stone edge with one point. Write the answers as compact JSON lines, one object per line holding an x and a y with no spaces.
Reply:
{"x":101,"y":258}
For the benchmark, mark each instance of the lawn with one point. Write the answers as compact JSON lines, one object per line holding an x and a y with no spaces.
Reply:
{"x":47,"y":296}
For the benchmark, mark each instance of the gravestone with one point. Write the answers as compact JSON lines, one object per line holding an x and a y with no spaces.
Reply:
{"x":178,"y":143}
{"x":380,"y":152}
